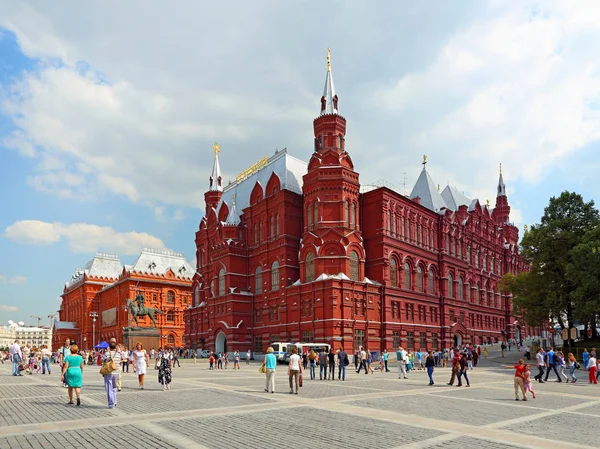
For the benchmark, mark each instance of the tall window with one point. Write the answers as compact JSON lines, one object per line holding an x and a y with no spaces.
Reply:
{"x":171,"y":340}
{"x":460,"y":289}
{"x":309,"y":216}
{"x":272,"y":227}
{"x":407,"y":276}
{"x":352,"y":216}
{"x":395,"y":339}
{"x":260,"y":232}
{"x":410,"y":340}
{"x":316,"y":214}
{"x":277,"y":225}
{"x":476,"y":299}
{"x":419,"y":279}
{"x":359,"y":338}
{"x":450,"y":282}
{"x":255,"y":234}
{"x":170,"y":297}
{"x":347,"y":213}
{"x":275,"y":276}
{"x":393,"y":273}
{"x":170,"y":316}
{"x":434,"y":342}
{"x":422,"y":341}
{"x":354,"y":266}
{"x":222,"y":282}
{"x":394,"y":222}
{"x":197,"y":296}
{"x":258,"y":280}
{"x":389,"y":221}
{"x":431,"y":281}
{"x":310,"y":267}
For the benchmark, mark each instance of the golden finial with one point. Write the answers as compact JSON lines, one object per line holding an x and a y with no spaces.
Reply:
{"x":329,"y":59}
{"x":526,"y":228}
{"x":438,"y":187}
{"x":424,"y":160}
{"x":216,"y":148}
{"x":487,"y":203}
{"x":233,"y":199}
{"x":500,"y":167}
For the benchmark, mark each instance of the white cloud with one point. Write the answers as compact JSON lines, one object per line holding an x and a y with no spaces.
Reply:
{"x":12,"y":279}
{"x":81,"y":237}
{"x":7,"y":308}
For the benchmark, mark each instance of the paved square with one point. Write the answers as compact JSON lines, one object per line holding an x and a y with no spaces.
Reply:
{"x":229,"y":409}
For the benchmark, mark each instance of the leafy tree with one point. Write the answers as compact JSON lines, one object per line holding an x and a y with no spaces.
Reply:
{"x":549,"y":287}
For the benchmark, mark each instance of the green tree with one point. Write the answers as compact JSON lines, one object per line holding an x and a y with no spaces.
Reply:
{"x":549,"y":287}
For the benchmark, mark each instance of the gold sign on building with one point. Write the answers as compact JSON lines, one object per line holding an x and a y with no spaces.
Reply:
{"x":252,"y":169}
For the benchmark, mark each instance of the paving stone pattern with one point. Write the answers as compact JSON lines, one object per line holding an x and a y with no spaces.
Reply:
{"x":376,"y":410}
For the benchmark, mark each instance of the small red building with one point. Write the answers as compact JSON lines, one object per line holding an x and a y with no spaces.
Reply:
{"x":302,"y":252}
{"x":93,"y":304}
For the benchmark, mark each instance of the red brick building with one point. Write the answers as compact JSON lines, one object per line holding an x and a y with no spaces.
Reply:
{"x":103,"y":287}
{"x":301,"y":252}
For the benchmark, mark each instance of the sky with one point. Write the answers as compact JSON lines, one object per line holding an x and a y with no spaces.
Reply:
{"x":108,"y":111}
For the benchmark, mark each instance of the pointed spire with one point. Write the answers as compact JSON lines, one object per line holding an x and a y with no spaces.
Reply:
{"x":501,"y":186}
{"x":233,"y":217}
{"x":216,"y":182}
{"x":329,"y":98}
{"x":426,"y":190}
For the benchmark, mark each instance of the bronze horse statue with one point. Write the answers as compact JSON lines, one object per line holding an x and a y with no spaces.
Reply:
{"x":145,"y":311}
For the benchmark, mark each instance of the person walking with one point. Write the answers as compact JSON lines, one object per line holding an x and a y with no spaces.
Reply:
{"x":562,"y":366}
{"x":401,"y":361}
{"x":519,"y":383}
{"x":63,"y":352}
{"x":236,"y":360}
{"x":553,"y":360}
{"x":16,"y":356}
{"x":248,"y":355}
{"x":385,"y":361}
{"x":45,"y":353}
{"x":312,"y":360}
{"x":527,"y":380}
{"x":164,"y":364}
{"x":592,"y":369}
{"x":270,"y":363}
{"x":331,"y":361}
{"x":455,"y":367}
{"x":294,"y":370}
{"x":125,"y":360}
{"x":586,"y":358}
{"x":573,"y":365}
{"x":539,"y":358}
{"x":72,"y":373}
{"x":141,"y":363}
{"x":343,"y":363}
{"x":110,"y":379}
{"x":429,"y":366}
{"x":175,"y":358}
{"x":463,"y":367}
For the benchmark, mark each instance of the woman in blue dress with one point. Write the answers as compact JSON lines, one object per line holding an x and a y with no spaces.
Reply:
{"x":72,"y":373}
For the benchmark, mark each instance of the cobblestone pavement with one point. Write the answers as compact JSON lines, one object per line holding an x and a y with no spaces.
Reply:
{"x":229,"y":409}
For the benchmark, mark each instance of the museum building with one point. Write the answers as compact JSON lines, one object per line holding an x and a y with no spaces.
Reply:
{"x":292,"y":251}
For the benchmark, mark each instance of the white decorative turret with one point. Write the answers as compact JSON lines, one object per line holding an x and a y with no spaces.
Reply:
{"x":329,"y":100}
{"x":501,"y":186}
{"x":216,"y":182}
{"x":233,"y":217}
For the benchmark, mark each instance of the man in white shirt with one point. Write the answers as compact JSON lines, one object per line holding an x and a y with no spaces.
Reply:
{"x":248,"y":355}
{"x":63,"y":352}
{"x":539,"y":357}
{"x":16,"y":356}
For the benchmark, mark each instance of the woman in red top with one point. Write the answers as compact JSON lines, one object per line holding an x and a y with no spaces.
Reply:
{"x":519,"y":382}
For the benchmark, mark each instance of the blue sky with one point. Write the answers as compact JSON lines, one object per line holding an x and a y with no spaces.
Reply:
{"x":107,"y":113}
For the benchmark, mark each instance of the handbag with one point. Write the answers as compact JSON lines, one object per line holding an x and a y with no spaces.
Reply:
{"x":108,"y":366}
{"x":300,"y":380}
{"x":262,"y":369}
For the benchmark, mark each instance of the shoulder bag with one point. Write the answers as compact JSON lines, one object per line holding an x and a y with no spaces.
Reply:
{"x":108,"y":366}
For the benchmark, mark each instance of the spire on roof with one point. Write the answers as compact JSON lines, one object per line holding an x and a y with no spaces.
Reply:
{"x":428,"y":192}
{"x":233,"y":217}
{"x":216,"y":183}
{"x":501,"y":186}
{"x":329,"y":99}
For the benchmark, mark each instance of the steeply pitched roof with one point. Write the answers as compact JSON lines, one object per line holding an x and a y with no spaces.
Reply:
{"x":454,"y":198}
{"x":158,"y":261}
{"x":427,"y":191}
{"x":329,"y":94}
{"x":103,"y":265}
{"x":216,"y":182}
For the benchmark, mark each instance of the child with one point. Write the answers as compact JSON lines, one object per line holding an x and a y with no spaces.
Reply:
{"x":211,"y":360}
{"x":527,"y":380}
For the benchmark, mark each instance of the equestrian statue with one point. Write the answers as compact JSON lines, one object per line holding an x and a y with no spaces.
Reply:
{"x":140,"y":310}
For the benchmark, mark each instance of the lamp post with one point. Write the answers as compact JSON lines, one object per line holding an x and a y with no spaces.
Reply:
{"x":94,"y":317}
{"x":85,"y":343}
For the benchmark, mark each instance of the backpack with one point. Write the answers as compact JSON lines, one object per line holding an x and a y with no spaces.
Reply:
{"x":556,"y":359}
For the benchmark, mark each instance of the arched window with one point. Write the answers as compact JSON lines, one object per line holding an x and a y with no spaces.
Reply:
{"x":393,"y":273}
{"x":476,"y":299}
{"x":431,"y":283}
{"x":310,"y":267}
{"x":309,"y":215}
{"x":275,"y":276}
{"x":197,"y":296}
{"x":258,"y":280}
{"x":260,"y":232}
{"x":419,"y":279}
{"x":277,"y":225}
{"x":347,"y":213}
{"x":272,"y":227}
{"x":394,"y":224}
{"x":454,"y":246}
{"x":389,"y":221}
{"x":450,"y":286}
{"x":354,"y":274}
{"x":170,"y":315}
{"x":402,"y":225}
{"x":222,"y":282}
{"x":171,"y":340}
{"x":316,"y":214}
{"x":468,"y":292}
{"x":461,"y":294}
{"x":170,"y":297}
{"x":407,"y":276}
{"x":352,"y":215}
{"x":420,"y":235}
{"x":477,"y":259}
{"x":255,"y":234}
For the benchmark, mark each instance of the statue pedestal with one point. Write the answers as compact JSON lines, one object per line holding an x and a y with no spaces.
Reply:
{"x":149,"y":337}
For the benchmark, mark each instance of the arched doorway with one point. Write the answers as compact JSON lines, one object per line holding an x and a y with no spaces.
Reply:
{"x":457,"y":340}
{"x":221,"y":342}
{"x":517,"y":334}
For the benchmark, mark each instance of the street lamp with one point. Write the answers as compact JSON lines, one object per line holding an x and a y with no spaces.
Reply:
{"x":94,"y":317}
{"x":85,"y":342}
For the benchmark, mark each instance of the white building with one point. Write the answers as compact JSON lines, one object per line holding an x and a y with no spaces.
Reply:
{"x":35,"y":336}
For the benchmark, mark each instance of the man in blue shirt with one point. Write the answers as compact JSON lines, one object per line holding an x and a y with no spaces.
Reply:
{"x":270,"y":364}
{"x":551,"y":365}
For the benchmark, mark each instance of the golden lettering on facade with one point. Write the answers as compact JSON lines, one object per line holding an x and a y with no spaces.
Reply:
{"x":252,"y":169}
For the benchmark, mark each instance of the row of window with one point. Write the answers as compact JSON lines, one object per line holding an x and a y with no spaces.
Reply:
{"x":273,"y":314}
{"x":403,"y":228}
{"x":273,"y":230}
{"x":409,"y":312}
{"x":309,"y":266}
